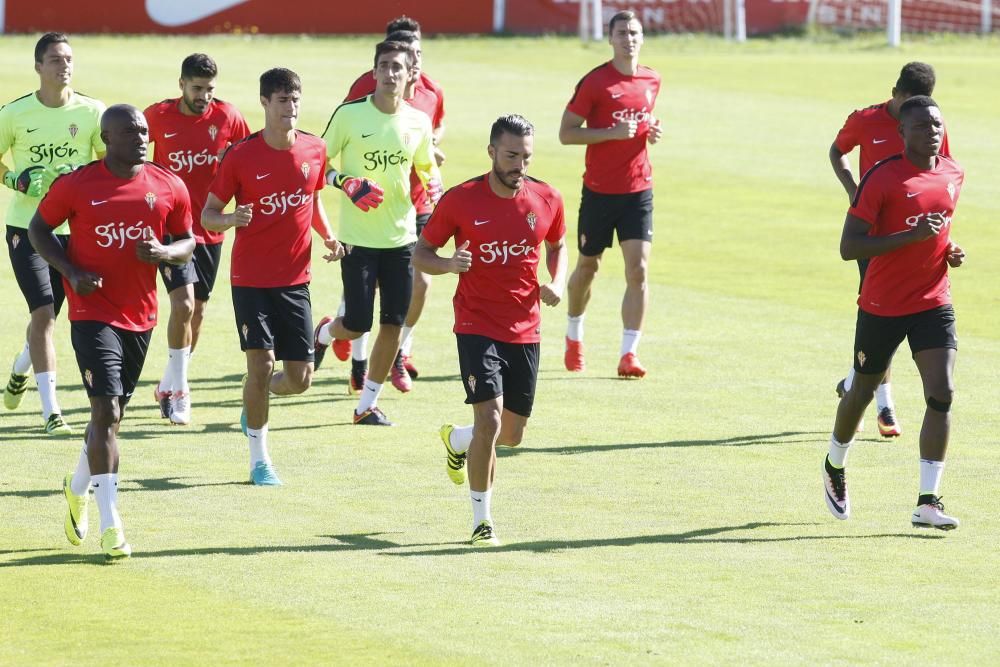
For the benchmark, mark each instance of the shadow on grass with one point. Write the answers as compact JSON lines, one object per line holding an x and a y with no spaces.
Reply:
{"x":783,"y":438}
{"x":127,"y":486}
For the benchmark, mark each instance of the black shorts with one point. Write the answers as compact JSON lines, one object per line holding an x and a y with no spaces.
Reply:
{"x":275,"y":318}
{"x":40,"y":283}
{"x":491,"y":368}
{"x":876,"y":338}
{"x":422,"y":222}
{"x":362,"y":269}
{"x":110,"y":358}
{"x":601,"y":216}
{"x":201,"y":271}
{"x":862,"y":270}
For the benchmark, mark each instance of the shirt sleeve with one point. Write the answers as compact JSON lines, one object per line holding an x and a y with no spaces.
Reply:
{"x":869,"y":199}
{"x":441,"y":226}
{"x":150,"y":115}
{"x":179,"y":219}
{"x":847,"y":139}
{"x":56,"y":206}
{"x":582,"y":102}
{"x":363,"y":86}
{"x":239,"y":130}
{"x":333,"y":136}
{"x":557,"y":230}
{"x":6,"y":131}
{"x":423,"y":159}
{"x":321,"y":172}
{"x":95,"y":140}
{"x":225,"y":184}
{"x":945,"y":149}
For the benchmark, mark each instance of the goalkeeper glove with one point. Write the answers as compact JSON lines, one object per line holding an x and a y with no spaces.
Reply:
{"x":434,"y":190}
{"x":365,"y":193}
{"x":28,"y":182}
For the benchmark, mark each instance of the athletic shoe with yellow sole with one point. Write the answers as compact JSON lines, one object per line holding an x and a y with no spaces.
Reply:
{"x":114,"y":546}
{"x":56,"y":425}
{"x":483,"y":536}
{"x":76,"y":516}
{"x":888,"y":425}
{"x":14,"y":391}
{"x":455,"y":462}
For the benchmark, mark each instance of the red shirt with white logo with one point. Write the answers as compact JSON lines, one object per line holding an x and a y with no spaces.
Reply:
{"x":189,"y":146}
{"x":605,"y":97}
{"x":275,"y":249}
{"x":427,"y":97}
{"x":877,"y":133}
{"x":893,"y":197}
{"x":498,"y":296}
{"x":107,"y":217}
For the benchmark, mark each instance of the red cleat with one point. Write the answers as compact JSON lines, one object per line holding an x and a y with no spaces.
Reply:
{"x":574,"y":356}
{"x":888,"y":427}
{"x":342,"y":348}
{"x":400,"y":378}
{"x":319,"y":349}
{"x":410,"y":368}
{"x":629,"y":367}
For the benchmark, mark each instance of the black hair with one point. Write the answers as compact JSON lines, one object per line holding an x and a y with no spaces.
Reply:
{"x":46,"y":41}
{"x":403,"y":22}
{"x":916,"y":102}
{"x":200,"y":66}
{"x":389,"y":46}
{"x":511,"y":124}
{"x":279,"y":79}
{"x":624,"y":15}
{"x":404,"y":36}
{"x":916,"y":79}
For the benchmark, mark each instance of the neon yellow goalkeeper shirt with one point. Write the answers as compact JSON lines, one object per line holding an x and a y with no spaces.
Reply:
{"x":51,"y":137}
{"x":381,"y":147}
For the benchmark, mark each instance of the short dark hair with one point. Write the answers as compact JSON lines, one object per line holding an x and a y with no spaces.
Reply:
{"x":404,"y":36}
{"x":515,"y":124}
{"x":403,"y":22}
{"x":916,"y":79}
{"x":46,"y":41}
{"x":389,"y":46}
{"x":916,"y":102}
{"x":624,"y":15}
{"x":279,"y":79}
{"x":200,"y":66}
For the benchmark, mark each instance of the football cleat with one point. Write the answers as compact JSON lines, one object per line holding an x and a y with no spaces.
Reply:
{"x":574,"y":355}
{"x":455,"y":464}
{"x":410,"y":368}
{"x":319,"y":349}
{"x":114,"y":546}
{"x":76,"y":516}
{"x":359,"y":373}
{"x":180,"y":408}
{"x":342,"y":348}
{"x":263,"y":474}
{"x":372,"y":417}
{"x":400,"y":378}
{"x":483,"y":536}
{"x":835,"y":490}
{"x":14,"y":391}
{"x":163,"y":399}
{"x":888,"y":427}
{"x":931,"y":515}
{"x":56,"y":425}
{"x":841,"y":391}
{"x":629,"y":367}
{"x":243,"y":413}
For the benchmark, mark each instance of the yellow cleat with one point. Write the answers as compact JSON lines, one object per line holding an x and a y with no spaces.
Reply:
{"x":56,"y":425}
{"x":483,"y":536}
{"x":114,"y":546}
{"x":455,"y":463}
{"x":14,"y":391}
{"x":76,"y":517}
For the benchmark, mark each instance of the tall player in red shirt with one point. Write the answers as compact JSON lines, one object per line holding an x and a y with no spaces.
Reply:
{"x":118,"y":209}
{"x":275,"y":175}
{"x":425,"y":94}
{"x":616,"y":102}
{"x":189,"y":134}
{"x":500,"y":221}
{"x":875,"y":131}
{"x":901,"y":219}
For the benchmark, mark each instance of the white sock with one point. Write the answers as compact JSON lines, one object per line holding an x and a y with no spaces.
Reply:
{"x":22,"y":364}
{"x":930,"y":476}
{"x":406,"y":342}
{"x":574,"y":328}
{"x":106,"y":492}
{"x":257,"y":438}
{"x":359,"y":347}
{"x":177,"y":368}
{"x":47,"y":392}
{"x":849,"y":380}
{"x":630,"y":341}
{"x":883,"y":396}
{"x":80,"y":483}
{"x":324,"y":337}
{"x":369,"y":396}
{"x":838,"y":452}
{"x":461,"y":438}
{"x":481,"y":506}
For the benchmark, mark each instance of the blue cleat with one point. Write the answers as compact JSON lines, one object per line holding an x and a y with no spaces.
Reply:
{"x":263,"y":475}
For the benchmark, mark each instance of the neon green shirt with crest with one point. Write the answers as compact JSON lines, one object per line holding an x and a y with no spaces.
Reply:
{"x":381,"y":147}
{"x":51,"y":137}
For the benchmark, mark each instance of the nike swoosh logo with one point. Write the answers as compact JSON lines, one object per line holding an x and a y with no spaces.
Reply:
{"x":167,"y":135}
{"x":365,"y":136}
{"x":879,"y":141}
{"x":311,"y":351}
{"x":911,"y":194}
{"x":615,"y":96}
{"x":477,"y":500}
{"x":98,"y":203}
{"x":174,"y":13}
{"x":262,"y":176}
{"x":30,"y":131}
{"x":480,"y":222}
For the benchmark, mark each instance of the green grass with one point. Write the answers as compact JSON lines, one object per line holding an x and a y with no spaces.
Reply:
{"x":676,"y":519}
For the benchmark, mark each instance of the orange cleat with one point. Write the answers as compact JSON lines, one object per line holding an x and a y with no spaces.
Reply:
{"x":574,"y":355}
{"x":629,"y":367}
{"x":342,"y":348}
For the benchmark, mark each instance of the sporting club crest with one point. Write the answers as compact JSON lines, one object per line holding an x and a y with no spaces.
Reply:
{"x":151,"y":200}
{"x":305,"y":170}
{"x":951,"y":190}
{"x":167,"y":272}
{"x":861,"y":358}
{"x":213,"y":132}
{"x":244,"y":330}
{"x":472,"y":383}
{"x":73,"y":129}
{"x":88,"y":377}
{"x":531,"y":218}
{"x":15,"y":240}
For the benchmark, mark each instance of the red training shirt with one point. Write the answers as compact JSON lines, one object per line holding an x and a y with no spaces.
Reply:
{"x":275,"y":249}
{"x":190,"y":146}
{"x":605,"y":97}
{"x":893,"y":197}
{"x":498,"y":296}
{"x":877,"y":133}
{"x":107,"y":217}
{"x":427,"y":97}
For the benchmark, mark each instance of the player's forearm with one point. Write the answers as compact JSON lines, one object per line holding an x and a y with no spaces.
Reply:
{"x":214,"y":220}
{"x":320,"y":223}
{"x":557,"y":262}
{"x":865,"y":247}
{"x":44,"y":241}
{"x":426,"y":259}
{"x":179,"y":252}
{"x":584,"y":136}
{"x":842,"y":169}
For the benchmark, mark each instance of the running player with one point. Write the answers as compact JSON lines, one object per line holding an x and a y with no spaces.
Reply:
{"x":121,"y":210}
{"x":275,"y":176}
{"x":378,"y":138}
{"x":499,"y":221}
{"x":423,"y":94}
{"x":616,"y":102}
{"x":901,"y":219}
{"x":48,"y":132}
{"x":189,"y":134}
{"x":875,"y":131}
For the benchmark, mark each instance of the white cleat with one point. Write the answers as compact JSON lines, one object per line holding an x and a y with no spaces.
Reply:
{"x":835,"y":491}
{"x":180,"y":408}
{"x":931,"y":515}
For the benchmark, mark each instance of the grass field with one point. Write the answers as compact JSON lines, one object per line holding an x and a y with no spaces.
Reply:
{"x":678,"y":519}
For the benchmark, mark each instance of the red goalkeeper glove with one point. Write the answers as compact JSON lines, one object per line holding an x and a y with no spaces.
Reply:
{"x":365,"y":193}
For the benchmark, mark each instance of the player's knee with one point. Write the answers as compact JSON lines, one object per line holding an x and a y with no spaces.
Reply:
{"x":510,"y":439}
{"x":105,"y":413}
{"x":260,"y":368}
{"x":182,"y":306}
{"x":421,"y":282}
{"x":302,"y":380}
{"x":940,"y":401}
{"x":635,"y":274}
